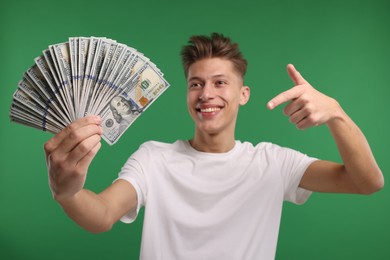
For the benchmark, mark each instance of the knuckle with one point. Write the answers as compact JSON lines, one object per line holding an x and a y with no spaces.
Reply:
{"x":305,"y":100}
{"x":54,"y":159}
{"x":307,"y":110}
{"x":87,"y":145}
{"x":70,"y":128}
{"x":76,"y":173}
{"x":312,"y":120}
{"x":96,"y":129}
{"x":285,"y":111}
{"x":83,"y":148}
{"x":75,"y":136}
{"x":98,"y":138}
{"x":58,"y":162}
{"x":48,"y":147}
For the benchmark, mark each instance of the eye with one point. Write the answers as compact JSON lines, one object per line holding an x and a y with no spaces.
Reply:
{"x":194,"y":85}
{"x":221,"y":82}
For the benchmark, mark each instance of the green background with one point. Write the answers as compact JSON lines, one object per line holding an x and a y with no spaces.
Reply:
{"x":340,"y":47}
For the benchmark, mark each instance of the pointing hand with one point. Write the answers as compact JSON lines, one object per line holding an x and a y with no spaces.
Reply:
{"x":306,"y":106}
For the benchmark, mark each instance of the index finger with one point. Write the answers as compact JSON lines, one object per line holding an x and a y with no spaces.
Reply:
{"x":294,"y":75}
{"x":285,"y":96}
{"x":58,"y":138}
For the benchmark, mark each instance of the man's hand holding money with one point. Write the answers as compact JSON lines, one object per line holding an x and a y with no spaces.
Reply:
{"x":69,"y":154}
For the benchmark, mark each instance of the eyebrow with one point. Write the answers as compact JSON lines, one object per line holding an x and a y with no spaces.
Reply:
{"x":214,"y":76}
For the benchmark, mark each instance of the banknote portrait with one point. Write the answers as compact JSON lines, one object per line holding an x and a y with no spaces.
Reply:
{"x":124,"y":111}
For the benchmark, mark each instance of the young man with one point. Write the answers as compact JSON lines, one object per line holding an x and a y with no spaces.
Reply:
{"x":212,"y":197}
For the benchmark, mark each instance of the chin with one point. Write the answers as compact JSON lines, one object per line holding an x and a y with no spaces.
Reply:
{"x":208,"y":128}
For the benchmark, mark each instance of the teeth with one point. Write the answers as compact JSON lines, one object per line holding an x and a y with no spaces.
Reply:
{"x":210,"y":109}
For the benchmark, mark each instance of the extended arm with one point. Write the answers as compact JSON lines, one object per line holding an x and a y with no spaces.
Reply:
{"x":307,"y":107}
{"x":68,"y":156}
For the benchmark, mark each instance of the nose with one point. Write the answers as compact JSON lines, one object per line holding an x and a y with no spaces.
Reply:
{"x":207,"y":92}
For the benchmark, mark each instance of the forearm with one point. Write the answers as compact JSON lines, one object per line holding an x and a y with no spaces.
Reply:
{"x":356,"y":153}
{"x":88,"y":210}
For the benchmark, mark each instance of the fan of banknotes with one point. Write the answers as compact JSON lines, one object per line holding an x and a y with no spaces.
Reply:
{"x":87,"y":76}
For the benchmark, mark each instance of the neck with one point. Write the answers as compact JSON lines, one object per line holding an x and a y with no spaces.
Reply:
{"x":214,"y":143}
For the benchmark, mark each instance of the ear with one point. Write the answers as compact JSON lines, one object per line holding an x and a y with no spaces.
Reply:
{"x":245,"y":94}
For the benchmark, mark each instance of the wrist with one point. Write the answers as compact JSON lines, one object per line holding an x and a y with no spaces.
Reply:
{"x":337,"y":115}
{"x":65,"y":199}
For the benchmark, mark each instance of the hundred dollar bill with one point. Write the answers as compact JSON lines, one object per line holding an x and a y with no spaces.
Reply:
{"x":86,"y":86}
{"x":87,"y":75}
{"x":62,"y":59}
{"x":83,"y":46}
{"x":125,"y":108}
{"x":45,"y":104}
{"x":109,"y":88}
{"x":37,"y":81}
{"x":56,"y":100}
{"x":133,"y":64}
{"x":98,"y":69}
{"x":73,"y":53}
{"x":103,"y":82}
{"x":37,"y":113}
{"x":21,"y":116}
{"x":55,"y":70}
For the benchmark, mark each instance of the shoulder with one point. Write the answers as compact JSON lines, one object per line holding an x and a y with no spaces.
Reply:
{"x":269,"y":151}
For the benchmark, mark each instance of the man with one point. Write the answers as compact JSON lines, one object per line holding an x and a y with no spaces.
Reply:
{"x":212,"y":197}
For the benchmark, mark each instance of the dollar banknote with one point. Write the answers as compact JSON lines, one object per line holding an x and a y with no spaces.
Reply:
{"x":87,"y":76}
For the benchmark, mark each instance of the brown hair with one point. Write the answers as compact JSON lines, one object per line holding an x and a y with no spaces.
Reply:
{"x":215,"y":46}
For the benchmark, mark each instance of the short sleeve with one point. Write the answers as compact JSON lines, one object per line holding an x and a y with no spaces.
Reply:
{"x":133,"y":172}
{"x":293,"y":165}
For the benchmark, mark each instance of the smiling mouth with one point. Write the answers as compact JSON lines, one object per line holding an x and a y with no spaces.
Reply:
{"x":209,"y":109}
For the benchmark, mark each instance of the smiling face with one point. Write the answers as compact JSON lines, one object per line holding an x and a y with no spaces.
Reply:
{"x":215,"y":92}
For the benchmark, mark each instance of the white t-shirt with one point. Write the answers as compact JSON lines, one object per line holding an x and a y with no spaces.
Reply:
{"x":213,"y":205}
